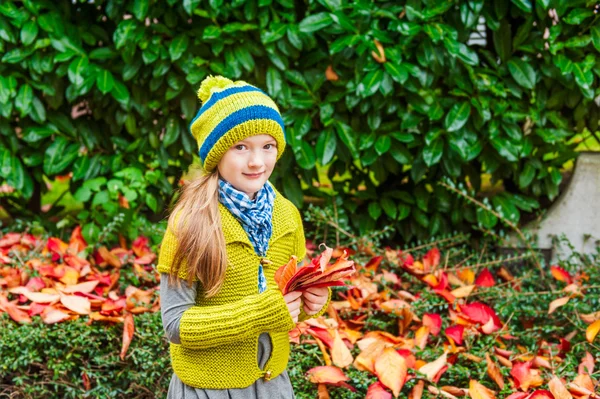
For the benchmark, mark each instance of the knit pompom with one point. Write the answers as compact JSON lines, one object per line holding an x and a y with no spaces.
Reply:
{"x":209,"y":83}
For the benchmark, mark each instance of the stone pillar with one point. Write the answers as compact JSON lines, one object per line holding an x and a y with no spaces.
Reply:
{"x":576,"y":213}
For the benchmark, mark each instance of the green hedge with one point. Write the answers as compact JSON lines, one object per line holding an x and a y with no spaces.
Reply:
{"x":106,"y":90}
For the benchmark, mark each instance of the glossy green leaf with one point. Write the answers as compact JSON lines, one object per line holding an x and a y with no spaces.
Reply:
{"x":326,"y":146}
{"x":383,"y":144}
{"x":140,"y":8}
{"x":522,"y":72}
{"x":389,"y":207}
{"x":315,"y":22}
{"x":524,"y":5}
{"x":374,"y":210}
{"x":59,"y":155}
{"x":24,"y":99}
{"x":305,"y":155}
{"x":458,"y":116}
{"x":432,"y":154}
{"x":105,"y":81}
{"x":29,"y":33}
{"x":178,"y":46}
{"x":371,"y":82}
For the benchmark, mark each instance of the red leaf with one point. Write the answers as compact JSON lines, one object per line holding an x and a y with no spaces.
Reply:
{"x":377,"y":391}
{"x":485,"y":279}
{"x":480,"y":313}
{"x":455,"y":333}
{"x":128,"y":329}
{"x":541,"y":394}
{"x":316,"y":274}
{"x":525,"y":377}
{"x":373,"y":263}
{"x":433,"y":321}
{"x":329,"y":375}
{"x":77,"y":242}
{"x":432,"y":259}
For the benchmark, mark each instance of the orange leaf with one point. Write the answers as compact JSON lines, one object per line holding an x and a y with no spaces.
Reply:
{"x":558,"y":389}
{"x":109,"y":257}
{"x":86,"y":287}
{"x":561,"y":274}
{"x":391,"y":369}
{"x":421,"y":336}
{"x":587,"y":364}
{"x":13,"y":311}
{"x":555,"y":304}
{"x":77,"y":304}
{"x":463,"y":292}
{"x":377,"y":391}
{"x":378,"y":56}
{"x":37,"y":297}
{"x":592,"y":331}
{"x":431,"y":369}
{"x":340,"y":353}
{"x":70,"y":277}
{"x":466,"y":275}
{"x":330,"y":74}
{"x":326,"y":375}
{"x":128,"y":329}
{"x":322,"y":392}
{"x":394,"y":306}
{"x":365,"y":360}
{"x":285,"y":273}
{"x":494,"y":372}
{"x":485,"y":279}
{"x":417,"y":391}
{"x":478,"y":391}
{"x":52,"y":315}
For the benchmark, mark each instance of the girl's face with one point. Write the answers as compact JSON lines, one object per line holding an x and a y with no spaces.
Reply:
{"x":248,"y":164}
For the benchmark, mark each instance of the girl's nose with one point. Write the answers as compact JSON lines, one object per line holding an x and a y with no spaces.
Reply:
{"x":256,"y":159}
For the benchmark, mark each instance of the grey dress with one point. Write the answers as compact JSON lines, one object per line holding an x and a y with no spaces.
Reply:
{"x":176,"y":300}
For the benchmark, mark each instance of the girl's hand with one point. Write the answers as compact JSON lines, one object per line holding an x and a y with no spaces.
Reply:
{"x":314,"y":299}
{"x":292,"y":299}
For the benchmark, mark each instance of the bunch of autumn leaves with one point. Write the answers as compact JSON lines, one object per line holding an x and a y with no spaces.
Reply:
{"x":58,"y":283}
{"x":391,"y":358}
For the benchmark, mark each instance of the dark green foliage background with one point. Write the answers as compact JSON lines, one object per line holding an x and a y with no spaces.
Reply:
{"x":435,"y":109}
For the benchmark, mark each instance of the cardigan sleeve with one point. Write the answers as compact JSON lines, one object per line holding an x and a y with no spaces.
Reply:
{"x":300,"y":252}
{"x":208,"y":326}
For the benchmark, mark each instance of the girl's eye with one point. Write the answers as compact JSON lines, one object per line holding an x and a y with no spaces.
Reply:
{"x":269,"y":146}
{"x":239,"y":147}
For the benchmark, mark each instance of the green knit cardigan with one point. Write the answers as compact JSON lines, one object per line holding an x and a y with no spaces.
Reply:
{"x":219,"y":335}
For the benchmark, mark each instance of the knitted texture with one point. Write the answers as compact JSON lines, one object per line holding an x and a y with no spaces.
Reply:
{"x":219,"y":335}
{"x":230,"y":112}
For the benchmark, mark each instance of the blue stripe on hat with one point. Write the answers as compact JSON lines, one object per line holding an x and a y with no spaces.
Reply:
{"x":221,"y":95}
{"x":234,"y":119}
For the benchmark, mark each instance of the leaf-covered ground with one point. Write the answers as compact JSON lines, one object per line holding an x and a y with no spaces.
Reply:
{"x":430,"y":323}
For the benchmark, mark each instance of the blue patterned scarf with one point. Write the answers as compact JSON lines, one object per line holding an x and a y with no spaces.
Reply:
{"x":254,"y":216}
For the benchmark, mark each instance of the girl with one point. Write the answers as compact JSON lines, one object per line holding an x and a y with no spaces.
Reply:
{"x":225,"y":318}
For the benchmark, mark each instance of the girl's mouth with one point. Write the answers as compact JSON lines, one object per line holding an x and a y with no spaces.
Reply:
{"x":253,"y":175}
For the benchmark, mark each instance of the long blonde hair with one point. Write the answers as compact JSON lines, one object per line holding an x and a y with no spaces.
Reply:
{"x":201,"y":243}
